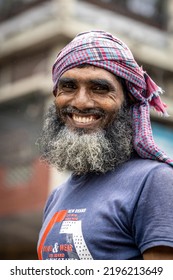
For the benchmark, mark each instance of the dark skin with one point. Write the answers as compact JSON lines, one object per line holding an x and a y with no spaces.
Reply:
{"x":159,"y":253}
{"x":89,"y":88}
{"x":93,"y":88}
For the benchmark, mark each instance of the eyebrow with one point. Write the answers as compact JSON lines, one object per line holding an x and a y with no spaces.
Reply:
{"x":64,"y":80}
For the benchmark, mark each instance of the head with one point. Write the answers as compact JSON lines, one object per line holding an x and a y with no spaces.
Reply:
{"x":92,"y":126}
{"x":88,"y":129}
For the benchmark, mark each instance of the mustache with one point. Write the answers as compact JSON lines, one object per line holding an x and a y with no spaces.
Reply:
{"x":90,"y":111}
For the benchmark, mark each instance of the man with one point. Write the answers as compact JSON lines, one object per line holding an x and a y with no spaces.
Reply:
{"x":118,"y":202}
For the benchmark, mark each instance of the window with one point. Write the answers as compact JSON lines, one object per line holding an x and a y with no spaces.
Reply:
{"x":8,"y":8}
{"x":152,"y":12}
{"x":147,"y":8}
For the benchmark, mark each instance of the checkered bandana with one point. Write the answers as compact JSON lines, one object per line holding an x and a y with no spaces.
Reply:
{"x":101,"y":49}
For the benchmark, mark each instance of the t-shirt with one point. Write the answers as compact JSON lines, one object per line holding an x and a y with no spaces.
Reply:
{"x":112,"y":216}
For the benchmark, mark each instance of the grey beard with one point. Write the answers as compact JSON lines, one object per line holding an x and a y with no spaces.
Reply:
{"x":80,"y":152}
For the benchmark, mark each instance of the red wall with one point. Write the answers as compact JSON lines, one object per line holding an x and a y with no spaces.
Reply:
{"x":28,"y":196}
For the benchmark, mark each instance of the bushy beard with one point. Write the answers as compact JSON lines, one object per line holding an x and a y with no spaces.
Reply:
{"x":80,"y":152}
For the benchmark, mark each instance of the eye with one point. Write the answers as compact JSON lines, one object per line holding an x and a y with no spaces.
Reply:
{"x":100,"y":89}
{"x":67,"y":87}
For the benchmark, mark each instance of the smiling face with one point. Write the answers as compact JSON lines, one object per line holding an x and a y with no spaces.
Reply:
{"x":88,"y":98}
{"x":89,"y":128}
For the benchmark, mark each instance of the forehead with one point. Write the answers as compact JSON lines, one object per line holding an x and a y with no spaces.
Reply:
{"x":89,"y":73}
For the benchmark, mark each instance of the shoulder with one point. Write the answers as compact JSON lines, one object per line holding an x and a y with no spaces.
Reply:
{"x":138,"y":174}
{"x":155,"y":171}
{"x":134,"y":174}
{"x":146,"y":167}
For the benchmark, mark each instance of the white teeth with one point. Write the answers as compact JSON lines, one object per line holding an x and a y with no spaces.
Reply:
{"x":83,"y":119}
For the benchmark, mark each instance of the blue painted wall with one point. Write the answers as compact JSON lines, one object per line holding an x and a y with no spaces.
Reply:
{"x":163,"y":137}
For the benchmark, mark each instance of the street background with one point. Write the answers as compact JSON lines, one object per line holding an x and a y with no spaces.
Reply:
{"x":31,"y":34}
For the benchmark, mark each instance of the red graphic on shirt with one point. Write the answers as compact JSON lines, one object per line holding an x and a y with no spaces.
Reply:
{"x":70,"y":242}
{"x":57,"y":218}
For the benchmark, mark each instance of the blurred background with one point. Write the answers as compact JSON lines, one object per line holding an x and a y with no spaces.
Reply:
{"x":31,"y":34}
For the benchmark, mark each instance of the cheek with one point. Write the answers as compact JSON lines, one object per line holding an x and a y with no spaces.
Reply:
{"x":113,"y":101}
{"x":111,"y":106}
{"x":59,"y":104}
{"x":60,"y":101}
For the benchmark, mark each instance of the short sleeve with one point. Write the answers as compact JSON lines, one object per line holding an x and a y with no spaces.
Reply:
{"x":153,"y":214}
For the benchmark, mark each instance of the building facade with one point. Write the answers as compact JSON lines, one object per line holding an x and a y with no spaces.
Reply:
{"x":31,"y":34}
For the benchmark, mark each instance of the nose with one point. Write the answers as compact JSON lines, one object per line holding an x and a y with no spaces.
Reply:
{"x":82,"y":99}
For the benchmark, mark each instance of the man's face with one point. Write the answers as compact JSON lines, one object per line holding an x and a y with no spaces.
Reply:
{"x":89,"y":128}
{"x":88,"y":98}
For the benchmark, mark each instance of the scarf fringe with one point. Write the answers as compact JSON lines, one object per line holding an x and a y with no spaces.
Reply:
{"x":156,"y":93}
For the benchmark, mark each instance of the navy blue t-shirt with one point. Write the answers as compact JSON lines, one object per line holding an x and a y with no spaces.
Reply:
{"x":112,"y":216}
